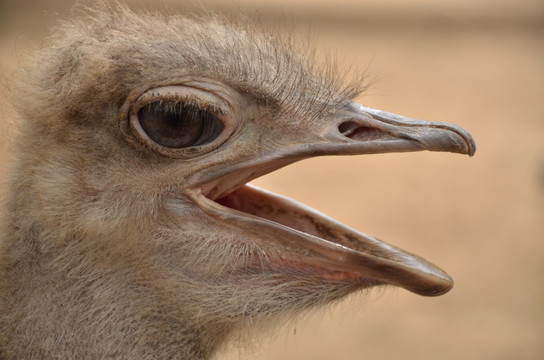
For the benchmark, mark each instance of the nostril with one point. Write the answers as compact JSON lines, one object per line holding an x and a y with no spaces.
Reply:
{"x":346,"y":128}
{"x":355,"y":131}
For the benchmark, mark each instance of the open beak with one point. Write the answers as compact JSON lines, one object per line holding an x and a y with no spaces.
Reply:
{"x":312,"y":240}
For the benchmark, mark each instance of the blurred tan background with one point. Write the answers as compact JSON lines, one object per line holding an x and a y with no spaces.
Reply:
{"x":478,"y":64}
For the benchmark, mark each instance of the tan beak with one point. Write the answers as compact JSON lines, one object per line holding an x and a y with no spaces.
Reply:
{"x":310,"y":238}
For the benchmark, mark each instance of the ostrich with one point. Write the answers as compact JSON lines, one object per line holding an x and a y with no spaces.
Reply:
{"x":130,"y":231}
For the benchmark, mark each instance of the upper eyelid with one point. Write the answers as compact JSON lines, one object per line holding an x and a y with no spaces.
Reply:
{"x":215,"y":104}
{"x":185,"y":101}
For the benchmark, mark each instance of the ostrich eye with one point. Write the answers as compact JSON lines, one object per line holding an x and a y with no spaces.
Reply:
{"x":178,"y":125}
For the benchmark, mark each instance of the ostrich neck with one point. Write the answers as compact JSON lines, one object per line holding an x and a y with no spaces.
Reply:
{"x":75,"y":298}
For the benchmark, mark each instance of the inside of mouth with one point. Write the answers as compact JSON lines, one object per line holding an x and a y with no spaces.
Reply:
{"x":277,"y":209}
{"x":294,"y":215}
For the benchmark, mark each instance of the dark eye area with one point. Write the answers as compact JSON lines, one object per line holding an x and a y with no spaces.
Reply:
{"x":177,"y":124}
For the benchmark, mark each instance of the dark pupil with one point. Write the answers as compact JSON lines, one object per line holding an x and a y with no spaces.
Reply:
{"x":179,"y":125}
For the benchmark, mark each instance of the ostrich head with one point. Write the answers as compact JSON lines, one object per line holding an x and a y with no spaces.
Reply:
{"x":130,"y":229}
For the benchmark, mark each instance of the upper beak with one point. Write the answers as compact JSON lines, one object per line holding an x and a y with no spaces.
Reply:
{"x":362,"y":130}
{"x":310,"y":237}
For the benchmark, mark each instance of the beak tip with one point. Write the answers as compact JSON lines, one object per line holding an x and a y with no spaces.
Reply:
{"x":440,"y":287}
{"x":471,"y":145}
{"x":446,"y":287}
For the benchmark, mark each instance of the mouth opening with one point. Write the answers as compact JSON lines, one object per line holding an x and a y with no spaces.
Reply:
{"x":286,"y":212}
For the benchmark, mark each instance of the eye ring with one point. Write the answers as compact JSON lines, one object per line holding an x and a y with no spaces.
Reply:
{"x":179,"y":121}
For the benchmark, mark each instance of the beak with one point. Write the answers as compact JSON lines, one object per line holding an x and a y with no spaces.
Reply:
{"x":374,"y":131}
{"x":307,"y":239}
